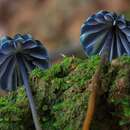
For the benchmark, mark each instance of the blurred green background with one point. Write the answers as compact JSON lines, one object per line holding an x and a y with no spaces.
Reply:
{"x":54,"y":22}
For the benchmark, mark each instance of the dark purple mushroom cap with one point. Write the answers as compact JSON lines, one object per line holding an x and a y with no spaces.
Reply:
{"x":14,"y":51}
{"x":106,"y":32}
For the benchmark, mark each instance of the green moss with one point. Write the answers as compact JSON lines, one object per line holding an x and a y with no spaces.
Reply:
{"x":59,"y":93}
{"x":65,"y":83}
{"x":12,"y":108}
{"x":36,"y":73}
{"x":120,"y":73}
{"x":124,"y":59}
{"x":120,"y":94}
{"x":61,"y":96}
{"x":124,"y":110}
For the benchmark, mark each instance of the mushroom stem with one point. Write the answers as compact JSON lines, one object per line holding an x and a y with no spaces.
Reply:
{"x":95,"y":94}
{"x":29,"y":95}
{"x":91,"y":110}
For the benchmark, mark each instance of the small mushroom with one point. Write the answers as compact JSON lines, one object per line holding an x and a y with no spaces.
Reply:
{"x":18,"y":57}
{"x":106,"y":33}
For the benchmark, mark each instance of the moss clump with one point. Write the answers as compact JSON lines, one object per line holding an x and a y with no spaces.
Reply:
{"x":61,"y":94}
{"x":12,"y":108}
{"x":123,"y":111}
{"x":65,"y":93}
{"x":119,"y":92}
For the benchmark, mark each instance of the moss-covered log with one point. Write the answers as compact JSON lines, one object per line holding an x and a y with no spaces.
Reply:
{"x":61,"y":94}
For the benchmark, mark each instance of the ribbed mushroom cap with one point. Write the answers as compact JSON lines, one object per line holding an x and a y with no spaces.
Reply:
{"x":14,"y":51}
{"x":106,"y":32}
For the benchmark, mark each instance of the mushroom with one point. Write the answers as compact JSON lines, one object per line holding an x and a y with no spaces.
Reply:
{"x":18,"y":57}
{"x":106,"y":34}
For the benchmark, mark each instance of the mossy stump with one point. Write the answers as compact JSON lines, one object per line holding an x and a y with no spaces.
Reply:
{"x":61,"y":95}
